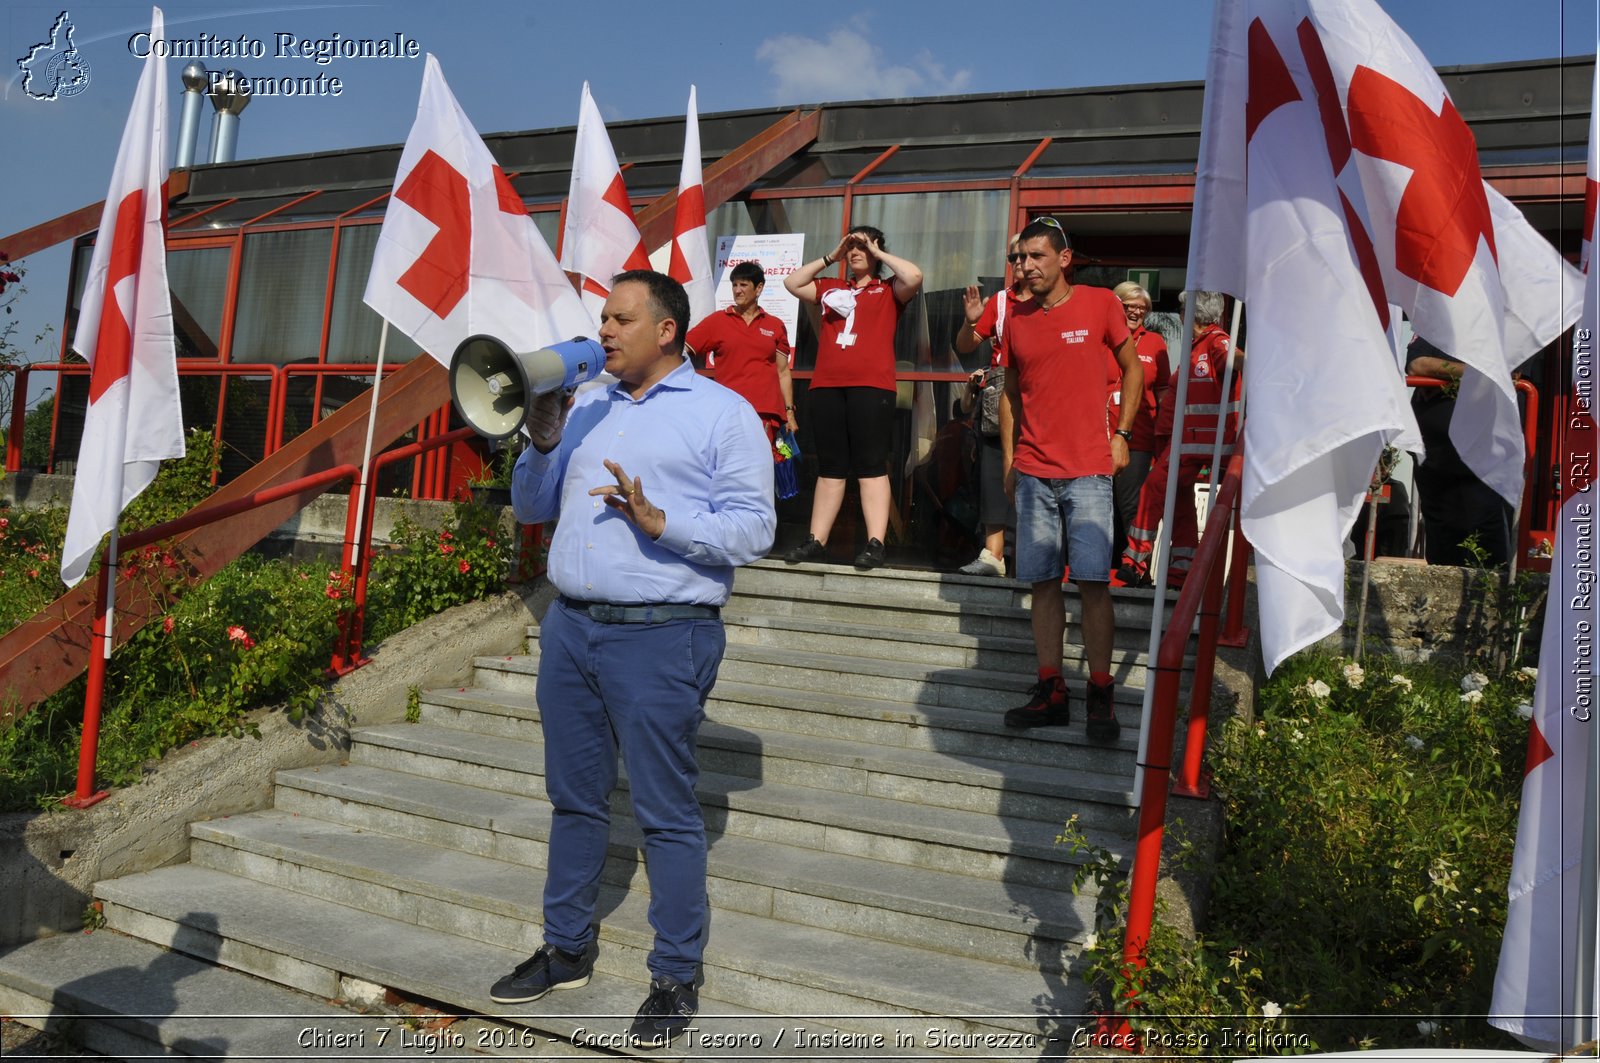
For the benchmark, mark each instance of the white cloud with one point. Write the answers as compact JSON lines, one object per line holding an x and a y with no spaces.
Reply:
{"x":848,"y":66}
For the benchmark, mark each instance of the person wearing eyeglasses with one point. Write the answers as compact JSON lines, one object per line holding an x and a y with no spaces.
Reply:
{"x":1204,"y":412}
{"x":1059,"y":459}
{"x":1152,"y":348}
{"x":852,"y":396}
{"x":986,"y":320}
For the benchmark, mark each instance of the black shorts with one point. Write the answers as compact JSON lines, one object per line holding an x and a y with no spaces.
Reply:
{"x":853,"y":429}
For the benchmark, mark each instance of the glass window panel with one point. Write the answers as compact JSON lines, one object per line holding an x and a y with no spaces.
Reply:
{"x":198,"y":278}
{"x":354,"y":329}
{"x":282,"y":284}
{"x":957,"y":238}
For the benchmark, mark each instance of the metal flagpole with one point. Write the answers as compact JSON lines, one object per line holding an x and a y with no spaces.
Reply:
{"x":1164,"y":542}
{"x":1222,"y":414}
{"x":1585,"y":1004}
{"x":355,"y":548}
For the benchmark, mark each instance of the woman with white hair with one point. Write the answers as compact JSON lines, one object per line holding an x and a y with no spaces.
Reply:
{"x":1152,"y":350}
{"x":1204,"y":414}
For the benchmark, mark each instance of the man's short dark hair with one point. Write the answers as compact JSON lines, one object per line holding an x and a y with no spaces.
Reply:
{"x":1051,"y":230}
{"x":749,"y":271}
{"x":667,"y":299}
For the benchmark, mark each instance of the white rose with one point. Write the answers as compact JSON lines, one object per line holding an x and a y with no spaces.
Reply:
{"x":1400,"y":681}
{"x":1525,"y":711}
{"x":1415,"y":743}
{"x":1269,"y":1010}
{"x":1474,"y":681}
{"x":1472,"y":697}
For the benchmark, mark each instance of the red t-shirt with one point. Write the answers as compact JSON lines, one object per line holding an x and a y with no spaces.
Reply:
{"x":1060,"y":356}
{"x":867,"y":360}
{"x":989,"y":321}
{"x":1157,"y":375}
{"x":746,"y":355}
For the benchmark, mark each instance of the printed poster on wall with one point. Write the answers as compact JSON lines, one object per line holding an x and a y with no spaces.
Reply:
{"x":780,"y":254}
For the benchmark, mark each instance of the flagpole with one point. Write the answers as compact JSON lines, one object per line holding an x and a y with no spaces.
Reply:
{"x":1585,"y":1004}
{"x":1164,"y":542}
{"x":357,"y":547}
{"x":1222,"y":414}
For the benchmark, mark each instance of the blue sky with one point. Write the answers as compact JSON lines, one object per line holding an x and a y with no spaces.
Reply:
{"x":521,"y":65}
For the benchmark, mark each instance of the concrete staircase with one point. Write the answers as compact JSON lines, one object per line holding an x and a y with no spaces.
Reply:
{"x":884,"y":870}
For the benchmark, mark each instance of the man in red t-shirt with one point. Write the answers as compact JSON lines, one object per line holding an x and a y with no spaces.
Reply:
{"x":1059,"y":459}
{"x":749,"y":348}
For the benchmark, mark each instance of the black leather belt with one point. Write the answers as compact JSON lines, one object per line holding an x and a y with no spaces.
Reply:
{"x":606,"y":613}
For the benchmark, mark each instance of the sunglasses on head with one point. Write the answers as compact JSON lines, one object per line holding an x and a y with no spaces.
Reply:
{"x":1056,"y":225}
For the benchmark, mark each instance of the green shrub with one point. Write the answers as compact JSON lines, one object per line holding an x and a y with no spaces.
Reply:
{"x":427,"y":570}
{"x":1371,"y":816}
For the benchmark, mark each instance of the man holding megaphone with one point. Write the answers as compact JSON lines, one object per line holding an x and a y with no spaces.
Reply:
{"x":663,"y":483}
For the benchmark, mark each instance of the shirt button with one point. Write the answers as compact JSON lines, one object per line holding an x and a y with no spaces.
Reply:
{"x":591,"y":546}
{"x":588,"y":586}
{"x":619,"y":433}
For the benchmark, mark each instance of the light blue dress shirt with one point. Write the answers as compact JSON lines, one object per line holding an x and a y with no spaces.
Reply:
{"x":701,"y":457}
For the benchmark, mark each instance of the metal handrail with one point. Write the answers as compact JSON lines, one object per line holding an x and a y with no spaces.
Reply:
{"x":271,"y":441}
{"x":347,"y":654}
{"x":89,"y":745}
{"x":1204,"y":591}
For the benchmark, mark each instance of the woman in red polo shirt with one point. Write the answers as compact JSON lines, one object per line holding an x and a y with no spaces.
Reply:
{"x":852,"y":396}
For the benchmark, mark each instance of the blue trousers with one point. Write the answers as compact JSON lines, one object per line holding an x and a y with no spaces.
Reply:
{"x":639,"y":689}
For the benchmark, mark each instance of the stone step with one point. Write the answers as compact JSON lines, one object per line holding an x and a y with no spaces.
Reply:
{"x":932,"y":615}
{"x":925,"y":721}
{"x":487,"y":898}
{"x":751,"y":963}
{"x":831,"y":673}
{"x":909,"y":588}
{"x":947,"y":649}
{"x":1012,"y":848}
{"x":975,"y":784}
{"x":126,"y":998}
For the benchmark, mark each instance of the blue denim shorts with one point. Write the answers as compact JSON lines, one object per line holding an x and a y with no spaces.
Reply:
{"x":1075,"y":514}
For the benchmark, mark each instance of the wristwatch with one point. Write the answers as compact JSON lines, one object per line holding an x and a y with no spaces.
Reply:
{"x":1127,"y":436}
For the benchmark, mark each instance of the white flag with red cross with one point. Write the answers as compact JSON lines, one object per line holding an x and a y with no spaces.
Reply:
{"x":458,"y":255}
{"x":601,"y":238}
{"x":1363,"y":194}
{"x":690,"y":262}
{"x":1534,"y":982}
{"x":125,"y":330}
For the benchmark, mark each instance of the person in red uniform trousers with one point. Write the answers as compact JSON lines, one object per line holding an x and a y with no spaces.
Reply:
{"x":749,"y":349}
{"x":1152,"y":348}
{"x":852,"y":396}
{"x":1059,"y":460}
{"x":1203,"y":409}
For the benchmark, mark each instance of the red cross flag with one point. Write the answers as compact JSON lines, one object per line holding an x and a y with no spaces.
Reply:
{"x":1336,"y":180}
{"x":601,"y":238}
{"x":125,"y":330}
{"x":458,"y":254}
{"x":690,"y":263}
{"x":1534,"y":982}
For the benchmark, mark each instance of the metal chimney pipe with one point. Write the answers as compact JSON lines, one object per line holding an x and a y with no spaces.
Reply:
{"x":228,"y":101}
{"x":194,"y":87}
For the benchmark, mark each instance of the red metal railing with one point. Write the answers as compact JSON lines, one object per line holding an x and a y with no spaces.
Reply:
{"x":347,"y":655}
{"x":88,"y":749}
{"x":1201,"y":594}
{"x":271,"y":440}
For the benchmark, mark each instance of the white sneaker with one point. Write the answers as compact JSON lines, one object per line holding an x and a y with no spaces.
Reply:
{"x":985,"y":564}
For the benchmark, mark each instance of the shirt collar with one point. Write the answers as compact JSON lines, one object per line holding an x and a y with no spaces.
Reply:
{"x":733,"y":311}
{"x":680,"y":379}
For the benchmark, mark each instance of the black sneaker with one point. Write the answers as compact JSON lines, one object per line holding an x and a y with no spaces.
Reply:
{"x":665,"y":1013}
{"x":1046,"y":707}
{"x":547,"y":969}
{"x":810,"y":550}
{"x":872,"y":555}
{"x":1102,"y":724}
